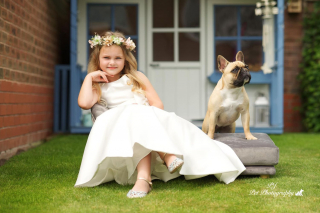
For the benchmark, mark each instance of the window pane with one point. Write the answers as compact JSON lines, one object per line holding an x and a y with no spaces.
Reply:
{"x":163,"y":47}
{"x":189,"y":47}
{"x":225,"y":21}
{"x":228,"y":49}
{"x":99,"y":19}
{"x":126,"y":19}
{"x":189,"y":13}
{"x":162,"y":13}
{"x":252,"y":51}
{"x":251,"y":25}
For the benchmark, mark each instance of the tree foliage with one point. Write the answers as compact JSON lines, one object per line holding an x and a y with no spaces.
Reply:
{"x":310,"y":75}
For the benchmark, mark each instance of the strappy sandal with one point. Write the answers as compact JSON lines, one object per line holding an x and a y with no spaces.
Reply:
{"x":139,"y":194}
{"x":175,"y":165}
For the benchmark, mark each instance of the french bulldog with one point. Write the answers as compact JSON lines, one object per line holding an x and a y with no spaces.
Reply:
{"x":229,"y":99}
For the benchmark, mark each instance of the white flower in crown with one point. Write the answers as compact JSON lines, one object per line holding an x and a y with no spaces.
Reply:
{"x":118,"y":40}
{"x":130,"y":44}
{"x":96,"y":40}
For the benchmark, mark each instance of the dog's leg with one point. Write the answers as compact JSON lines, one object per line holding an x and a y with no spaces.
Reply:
{"x":212,"y":124}
{"x":245,"y":118}
{"x":205,"y":123}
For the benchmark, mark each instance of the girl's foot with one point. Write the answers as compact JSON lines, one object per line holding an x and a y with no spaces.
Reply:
{"x":142,"y":184}
{"x":141,"y":188}
{"x":168,"y":159}
{"x":173,"y":162}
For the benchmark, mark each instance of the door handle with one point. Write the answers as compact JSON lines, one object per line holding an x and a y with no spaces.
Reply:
{"x":154,"y":65}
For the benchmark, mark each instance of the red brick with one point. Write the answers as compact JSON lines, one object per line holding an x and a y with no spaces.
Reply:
{"x":292,"y":48}
{"x":22,"y":140}
{"x":22,"y":129}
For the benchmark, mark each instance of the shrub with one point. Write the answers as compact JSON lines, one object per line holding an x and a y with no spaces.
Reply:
{"x":310,"y":75}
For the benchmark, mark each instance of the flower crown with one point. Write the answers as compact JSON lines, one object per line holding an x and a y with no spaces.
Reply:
{"x":109,"y":40}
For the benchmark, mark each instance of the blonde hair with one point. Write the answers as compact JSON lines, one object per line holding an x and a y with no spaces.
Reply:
{"x":130,"y":66}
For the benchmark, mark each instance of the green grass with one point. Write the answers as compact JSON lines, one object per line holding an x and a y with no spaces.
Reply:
{"x":42,"y":180}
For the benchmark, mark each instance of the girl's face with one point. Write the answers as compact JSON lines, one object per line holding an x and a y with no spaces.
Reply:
{"x":112,"y":61}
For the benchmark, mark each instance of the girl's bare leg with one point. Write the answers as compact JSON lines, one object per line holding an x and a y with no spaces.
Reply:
{"x":169,"y":158}
{"x":144,"y":171}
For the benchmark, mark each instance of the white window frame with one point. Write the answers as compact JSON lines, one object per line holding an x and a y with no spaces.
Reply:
{"x":176,"y":30}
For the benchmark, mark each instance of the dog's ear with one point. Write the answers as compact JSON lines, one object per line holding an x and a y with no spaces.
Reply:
{"x":222,"y":63}
{"x":240,"y":57}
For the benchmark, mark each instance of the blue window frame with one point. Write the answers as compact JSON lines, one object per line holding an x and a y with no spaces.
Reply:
{"x":238,"y":39}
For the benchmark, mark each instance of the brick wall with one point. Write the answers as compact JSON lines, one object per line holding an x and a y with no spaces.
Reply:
{"x":293,"y":35}
{"x":34,"y":37}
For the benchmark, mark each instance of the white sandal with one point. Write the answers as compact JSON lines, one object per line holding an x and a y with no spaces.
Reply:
{"x":139,"y":194}
{"x":175,"y":165}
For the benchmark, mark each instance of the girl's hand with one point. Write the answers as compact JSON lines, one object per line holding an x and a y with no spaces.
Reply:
{"x":99,"y":76}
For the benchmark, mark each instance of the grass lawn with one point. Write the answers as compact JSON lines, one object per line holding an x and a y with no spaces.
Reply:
{"x":42,"y":180}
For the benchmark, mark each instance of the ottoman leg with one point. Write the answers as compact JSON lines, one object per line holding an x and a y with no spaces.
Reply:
{"x":263,"y":171}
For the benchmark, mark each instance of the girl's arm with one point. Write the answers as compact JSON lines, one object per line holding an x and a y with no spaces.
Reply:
{"x":88,"y":95}
{"x":151,"y":93}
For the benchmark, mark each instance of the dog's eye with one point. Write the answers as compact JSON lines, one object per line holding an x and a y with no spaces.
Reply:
{"x":246,"y":66}
{"x":236,"y":69}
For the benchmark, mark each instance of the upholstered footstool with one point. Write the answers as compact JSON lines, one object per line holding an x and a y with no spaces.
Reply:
{"x":258,"y":156}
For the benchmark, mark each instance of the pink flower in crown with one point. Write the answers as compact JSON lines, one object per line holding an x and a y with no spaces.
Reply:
{"x":130,"y":44}
{"x":91,"y":43}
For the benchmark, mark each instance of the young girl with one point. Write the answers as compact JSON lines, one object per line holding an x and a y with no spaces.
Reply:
{"x":135,"y":140}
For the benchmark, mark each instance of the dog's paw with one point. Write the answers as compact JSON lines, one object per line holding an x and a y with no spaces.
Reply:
{"x":211,"y":135}
{"x":251,"y":137}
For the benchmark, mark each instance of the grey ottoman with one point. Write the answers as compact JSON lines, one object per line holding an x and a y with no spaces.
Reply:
{"x":97,"y":109}
{"x":258,"y":156}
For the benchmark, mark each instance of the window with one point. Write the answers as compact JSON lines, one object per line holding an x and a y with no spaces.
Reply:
{"x":241,"y":30}
{"x":176,"y":30}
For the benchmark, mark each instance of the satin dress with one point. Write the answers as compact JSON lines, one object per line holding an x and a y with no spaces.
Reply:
{"x":131,"y":129}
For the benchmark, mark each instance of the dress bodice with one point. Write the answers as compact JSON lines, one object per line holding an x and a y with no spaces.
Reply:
{"x":118,"y":93}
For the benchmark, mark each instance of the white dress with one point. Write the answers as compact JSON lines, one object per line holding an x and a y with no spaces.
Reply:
{"x":130,"y":129}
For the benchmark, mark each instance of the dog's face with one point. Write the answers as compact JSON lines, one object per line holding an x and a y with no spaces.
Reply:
{"x":236,"y":73}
